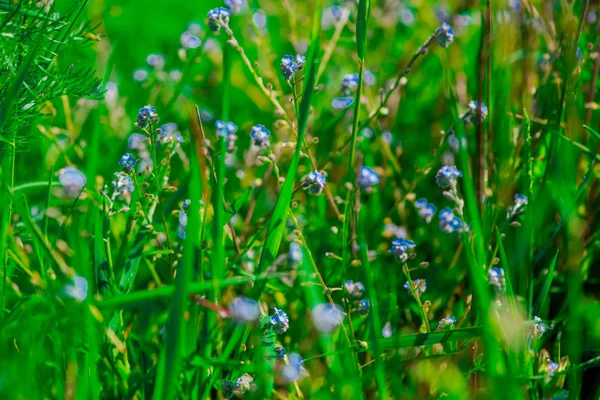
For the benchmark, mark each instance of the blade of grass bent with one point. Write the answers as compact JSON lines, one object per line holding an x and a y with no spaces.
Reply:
{"x":277,"y":223}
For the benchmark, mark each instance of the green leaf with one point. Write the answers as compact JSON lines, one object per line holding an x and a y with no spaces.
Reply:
{"x":541,"y":300}
{"x":362,"y":28}
{"x":276,"y":225}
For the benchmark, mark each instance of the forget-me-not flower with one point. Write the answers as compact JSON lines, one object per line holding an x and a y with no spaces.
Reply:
{"x":448,"y":221}
{"x":400,"y":248}
{"x":368,"y":177}
{"x":426,"y":210}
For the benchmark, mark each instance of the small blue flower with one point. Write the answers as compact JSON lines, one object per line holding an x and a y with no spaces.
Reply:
{"x":189,"y":40}
{"x":368,"y":177}
{"x":244,"y":310}
{"x":137,"y":141}
{"x":419,"y":285}
{"x":426,"y":210}
{"x":449,"y":222}
{"x":169,"y":133}
{"x":78,"y":290}
{"x":280,"y":352}
{"x":400,"y":248}
{"x":300,"y":60}
{"x":72,"y":180}
{"x":127,"y":162}
{"x":369,"y":77}
{"x":538,"y":328}
{"x":288,"y":67}
{"x":446,"y":323}
{"x":156,"y":60}
{"x":518,"y":207}
{"x":327,"y":317}
{"x":497,"y":279}
{"x":280,"y":321}
{"x":445,"y":35}
{"x":146,"y":115}
{"x":260,"y":135}
{"x":447,"y":175}
{"x":218,"y":17}
{"x":349,"y":83}
{"x":476,"y":113}
{"x":315,"y":182}
{"x":235,"y":5}
{"x":339,"y":103}
{"x":387,"y":330}
{"x":228,"y":387}
{"x":186,"y":204}
{"x":295,"y":369}
{"x":225,"y":129}
{"x":363,"y":306}
{"x":354,"y":289}
{"x":295,"y":254}
{"x":123,"y":185}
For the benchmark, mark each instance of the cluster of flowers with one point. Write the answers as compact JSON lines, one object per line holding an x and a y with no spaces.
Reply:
{"x":289,"y":65}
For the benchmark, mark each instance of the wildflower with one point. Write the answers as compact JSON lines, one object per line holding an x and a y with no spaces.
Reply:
{"x":400,"y":248}
{"x":447,"y":175}
{"x":387,"y":330}
{"x":189,"y":40}
{"x":72,"y":180}
{"x":445,"y":35}
{"x":123,"y":186}
{"x":418,"y":285}
{"x":354,"y":289}
{"x":518,"y":206}
{"x":78,"y":290}
{"x":218,"y":17}
{"x":446,"y":323}
{"x":426,"y":210}
{"x":140,"y":75}
{"x":186,"y":205}
{"x":295,"y":369}
{"x":315,"y":182}
{"x":260,"y":135}
{"x":137,"y":141}
{"x":242,"y":385}
{"x":449,"y":222}
{"x":146,"y":115}
{"x":182,"y":224}
{"x":127,"y":162}
{"x":391,"y":230}
{"x":300,"y":60}
{"x":340,"y":103}
{"x":539,"y":327}
{"x":235,"y":5}
{"x":295,"y":254}
{"x":497,"y":279}
{"x":169,"y":133}
{"x":475,"y":114}
{"x":175,"y":75}
{"x":244,"y":310}
{"x":368,"y":177}
{"x":156,"y":60}
{"x":369,"y":77}
{"x":280,"y":352}
{"x":227,"y":387}
{"x":225,"y":129}
{"x":349,"y":83}
{"x":289,"y":67}
{"x":363,"y":306}
{"x":280,"y":321}
{"x":327,"y":317}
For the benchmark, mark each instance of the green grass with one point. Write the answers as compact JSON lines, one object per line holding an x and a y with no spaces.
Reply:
{"x":157,"y":317}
